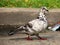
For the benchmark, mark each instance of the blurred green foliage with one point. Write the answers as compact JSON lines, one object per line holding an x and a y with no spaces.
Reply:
{"x":30,"y":3}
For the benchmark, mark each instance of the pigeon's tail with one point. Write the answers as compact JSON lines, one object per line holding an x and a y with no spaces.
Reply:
{"x":12,"y":32}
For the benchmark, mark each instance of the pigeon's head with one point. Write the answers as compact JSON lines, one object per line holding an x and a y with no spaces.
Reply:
{"x":44,"y":10}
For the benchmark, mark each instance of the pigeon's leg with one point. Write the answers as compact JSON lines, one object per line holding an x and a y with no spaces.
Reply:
{"x":28,"y":38}
{"x":41,"y":38}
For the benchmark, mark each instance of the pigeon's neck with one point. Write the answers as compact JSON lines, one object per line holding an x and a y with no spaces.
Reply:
{"x":41,"y":13}
{"x":44,"y":18}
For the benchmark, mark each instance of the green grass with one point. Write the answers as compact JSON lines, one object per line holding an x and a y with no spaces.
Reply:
{"x":30,"y":3}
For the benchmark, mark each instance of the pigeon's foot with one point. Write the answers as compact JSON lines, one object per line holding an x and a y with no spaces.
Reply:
{"x":28,"y":38}
{"x":42,"y":38}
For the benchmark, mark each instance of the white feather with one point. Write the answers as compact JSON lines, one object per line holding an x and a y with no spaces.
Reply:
{"x":38,"y":24}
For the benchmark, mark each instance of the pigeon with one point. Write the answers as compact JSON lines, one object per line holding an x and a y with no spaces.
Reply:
{"x":34,"y":27}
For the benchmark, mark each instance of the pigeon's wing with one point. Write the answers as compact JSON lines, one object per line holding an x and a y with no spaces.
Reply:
{"x":32,"y":22}
{"x":29,"y":25}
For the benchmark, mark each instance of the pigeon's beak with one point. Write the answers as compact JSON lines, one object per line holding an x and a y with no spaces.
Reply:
{"x":47,"y":11}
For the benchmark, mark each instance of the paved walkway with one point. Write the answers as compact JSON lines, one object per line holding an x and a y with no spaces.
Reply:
{"x":53,"y":38}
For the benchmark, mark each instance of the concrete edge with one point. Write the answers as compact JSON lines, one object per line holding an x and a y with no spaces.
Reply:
{"x":25,"y":10}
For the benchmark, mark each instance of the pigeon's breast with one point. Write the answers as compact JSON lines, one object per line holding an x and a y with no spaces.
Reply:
{"x":38,"y":25}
